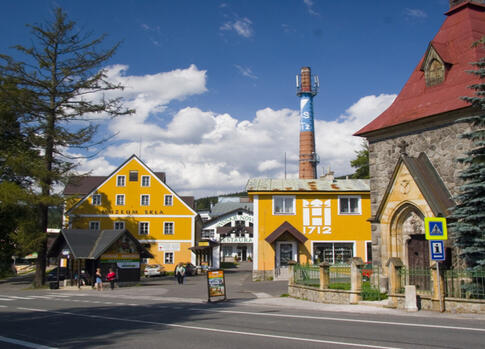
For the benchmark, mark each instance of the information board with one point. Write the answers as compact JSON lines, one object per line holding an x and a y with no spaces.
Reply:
{"x":437,"y":250}
{"x":435,"y":228}
{"x":216,"y":284}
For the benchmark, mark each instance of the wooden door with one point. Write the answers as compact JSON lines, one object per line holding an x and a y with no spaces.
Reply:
{"x":418,"y":259}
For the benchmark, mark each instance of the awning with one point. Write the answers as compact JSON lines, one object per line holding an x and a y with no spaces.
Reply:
{"x":286,"y":228}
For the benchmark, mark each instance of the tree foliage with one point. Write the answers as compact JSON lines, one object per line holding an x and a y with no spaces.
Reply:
{"x":62,"y":87}
{"x":469,"y":212}
{"x":361,"y":162}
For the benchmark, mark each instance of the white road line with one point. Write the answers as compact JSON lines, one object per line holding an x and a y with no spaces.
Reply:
{"x":24,"y":343}
{"x":342,"y":319}
{"x":209,"y":329}
{"x":6,"y":299}
{"x":3,"y":306}
{"x":16,"y":297}
{"x":41,"y":297}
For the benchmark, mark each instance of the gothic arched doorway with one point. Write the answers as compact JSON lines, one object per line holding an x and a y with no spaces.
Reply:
{"x":409,"y":243}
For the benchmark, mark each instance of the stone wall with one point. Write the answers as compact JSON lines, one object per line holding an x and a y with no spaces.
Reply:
{"x":440,"y":141}
{"x":316,"y":295}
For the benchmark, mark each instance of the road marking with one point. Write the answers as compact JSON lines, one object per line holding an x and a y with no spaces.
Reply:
{"x":342,"y":319}
{"x":3,"y":306}
{"x":42,"y":297}
{"x":209,"y":329}
{"x":15,"y":297}
{"x":24,"y":343}
{"x":6,"y":299}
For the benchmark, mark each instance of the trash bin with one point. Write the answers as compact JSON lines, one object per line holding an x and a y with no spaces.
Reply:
{"x":54,"y":285}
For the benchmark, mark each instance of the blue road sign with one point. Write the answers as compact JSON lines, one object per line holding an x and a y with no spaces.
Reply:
{"x":435,"y":228}
{"x":437,"y":250}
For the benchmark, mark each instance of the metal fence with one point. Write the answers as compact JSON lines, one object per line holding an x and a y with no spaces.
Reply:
{"x":340,"y":276}
{"x":308,"y":275}
{"x":462,"y":283}
{"x":419,"y":277}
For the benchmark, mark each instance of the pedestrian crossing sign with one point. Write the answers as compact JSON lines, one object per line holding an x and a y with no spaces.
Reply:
{"x":435,"y":228}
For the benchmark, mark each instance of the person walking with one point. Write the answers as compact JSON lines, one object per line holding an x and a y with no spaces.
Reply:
{"x":111,"y":277}
{"x":180,"y":273}
{"x":99,"y":280}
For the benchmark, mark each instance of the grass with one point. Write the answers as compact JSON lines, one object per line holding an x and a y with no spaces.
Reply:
{"x":229,"y":265}
{"x":285,"y":295}
{"x":339,"y":286}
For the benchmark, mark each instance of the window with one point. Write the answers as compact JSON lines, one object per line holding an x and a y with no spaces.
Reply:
{"x":349,"y":205}
{"x":94,"y":225}
{"x":120,"y":199}
{"x":120,"y":181}
{"x":145,"y":261}
{"x":168,"y":257}
{"x":339,"y":252}
{"x":168,"y":200}
{"x":168,"y":228}
{"x":145,"y":181}
{"x":435,"y":73}
{"x":145,"y":200}
{"x":96,"y":199}
{"x":143,"y":228}
{"x":133,"y":176}
{"x":119,"y":225}
{"x":368,"y":246}
{"x":283,"y":205}
{"x":208,"y":234}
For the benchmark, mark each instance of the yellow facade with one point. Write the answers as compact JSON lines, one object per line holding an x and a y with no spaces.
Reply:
{"x":319,"y":218}
{"x":135,"y":198}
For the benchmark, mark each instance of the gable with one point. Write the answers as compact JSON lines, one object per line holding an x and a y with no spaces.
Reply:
{"x":133,"y":187}
{"x":416,"y":181}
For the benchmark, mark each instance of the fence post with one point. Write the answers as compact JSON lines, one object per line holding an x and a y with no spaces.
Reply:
{"x":438,"y":298}
{"x":394,"y":265}
{"x":356,"y":279}
{"x":291,"y":271}
{"x":324,"y":275}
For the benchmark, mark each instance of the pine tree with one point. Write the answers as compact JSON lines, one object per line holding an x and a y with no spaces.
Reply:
{"x":361,"y":162}
{"x":60,"y":80}
{"x":469,"y":212}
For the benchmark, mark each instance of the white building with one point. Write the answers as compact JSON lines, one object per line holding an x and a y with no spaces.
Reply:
{"x":230,"y":225}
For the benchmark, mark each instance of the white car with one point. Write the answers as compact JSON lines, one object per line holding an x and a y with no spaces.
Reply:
{"x":154,"y":270}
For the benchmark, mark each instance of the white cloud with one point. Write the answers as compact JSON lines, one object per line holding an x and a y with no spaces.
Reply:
{"x":246,"y":71}
{"x":205,"y":153}
{"x":243,"y":27}
{"x":309,"y":4}
{"x":415,"y":13}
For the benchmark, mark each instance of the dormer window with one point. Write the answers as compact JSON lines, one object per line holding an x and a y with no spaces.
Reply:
{"x":434,"y":66}
{"x":435,"y":73}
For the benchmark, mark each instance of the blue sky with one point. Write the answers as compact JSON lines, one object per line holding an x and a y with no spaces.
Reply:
{"x":213,"y":82}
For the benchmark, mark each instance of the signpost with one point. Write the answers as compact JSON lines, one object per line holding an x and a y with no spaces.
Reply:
{"x":216,"y":284}
{"x":436,"y":233}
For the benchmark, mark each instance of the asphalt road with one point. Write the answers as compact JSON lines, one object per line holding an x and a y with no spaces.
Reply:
{"x":162,"y":314}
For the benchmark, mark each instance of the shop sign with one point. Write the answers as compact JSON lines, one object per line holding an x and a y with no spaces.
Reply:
{"x":118,"y":256}
{"x":317,"y":217}
{"x":238,"y":240}
{"x":128,"y":264}
{"x":244,"y":217}
{"x":203,"y":243}
{"x":169,"y":246}
{"x":216,"y":284}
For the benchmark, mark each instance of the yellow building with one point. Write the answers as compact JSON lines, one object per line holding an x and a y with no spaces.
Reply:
{"x":135,"y":198}
{"x":308,"y":221}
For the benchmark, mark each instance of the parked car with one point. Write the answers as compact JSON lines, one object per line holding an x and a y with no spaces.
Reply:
{"x":190,"y":269}
{"x":367,"y":271}
{"x":63,"y":274}
{"x":154,"y":270}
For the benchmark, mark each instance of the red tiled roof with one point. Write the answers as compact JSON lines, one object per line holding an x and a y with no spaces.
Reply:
{"x":464,"y":25}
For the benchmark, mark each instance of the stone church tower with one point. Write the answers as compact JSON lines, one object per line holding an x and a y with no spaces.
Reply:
{"x":414,"y":144}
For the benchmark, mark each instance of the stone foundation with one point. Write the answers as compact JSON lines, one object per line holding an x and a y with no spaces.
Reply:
{"x":260,"y":275}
